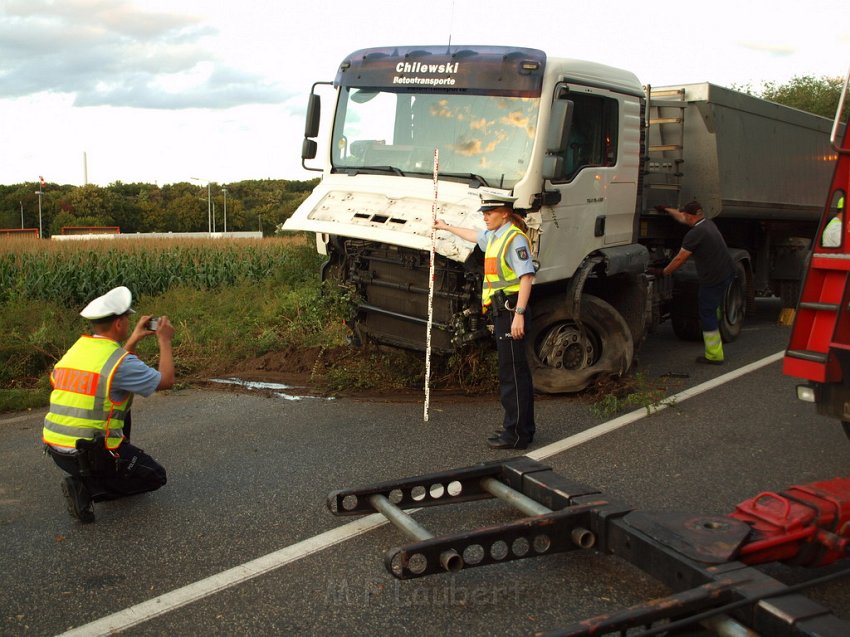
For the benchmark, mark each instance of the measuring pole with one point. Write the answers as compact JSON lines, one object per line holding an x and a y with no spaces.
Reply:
{"x":431,"y":277}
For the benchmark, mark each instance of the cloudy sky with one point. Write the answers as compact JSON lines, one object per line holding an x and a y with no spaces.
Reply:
{"x":161,"y":91}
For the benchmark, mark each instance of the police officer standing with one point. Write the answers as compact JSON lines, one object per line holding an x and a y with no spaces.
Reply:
{"x":87,"y":429}
{"x":506,"y":289}
{"x":715,"y":271}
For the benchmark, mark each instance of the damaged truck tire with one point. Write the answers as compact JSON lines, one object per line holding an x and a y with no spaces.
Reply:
{"x":566,"y":357}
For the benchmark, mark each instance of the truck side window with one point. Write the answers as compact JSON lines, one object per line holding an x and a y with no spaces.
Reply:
{"x":592,"y":139}
{"x":832,"y":234}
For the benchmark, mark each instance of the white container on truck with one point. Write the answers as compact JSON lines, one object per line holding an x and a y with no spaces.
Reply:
{"x":588,"y":152}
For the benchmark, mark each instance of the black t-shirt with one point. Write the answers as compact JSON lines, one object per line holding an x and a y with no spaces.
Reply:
{"x":709,"y":251}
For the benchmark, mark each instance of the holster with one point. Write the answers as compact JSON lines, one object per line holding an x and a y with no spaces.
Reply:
{"x":497,"y":305}
{"x":94,"y":458}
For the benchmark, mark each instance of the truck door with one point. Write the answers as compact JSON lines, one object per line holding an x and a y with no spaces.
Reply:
{"x":596,"y":179}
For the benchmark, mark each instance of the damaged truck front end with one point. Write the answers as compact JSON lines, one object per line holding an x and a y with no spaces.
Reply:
{"x":416,"y":132}
{"x":390,"y":286}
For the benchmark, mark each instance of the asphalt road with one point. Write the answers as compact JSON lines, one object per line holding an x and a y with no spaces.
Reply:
{"x":239,"y":541}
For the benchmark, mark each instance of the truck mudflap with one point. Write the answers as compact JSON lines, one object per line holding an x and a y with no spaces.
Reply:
{"x":708,"y":561}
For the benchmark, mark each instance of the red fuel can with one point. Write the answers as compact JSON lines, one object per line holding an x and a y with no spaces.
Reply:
{"x":807,"y":525}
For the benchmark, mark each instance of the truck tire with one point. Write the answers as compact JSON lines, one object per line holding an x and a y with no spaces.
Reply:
{"x":845,"y":426}
{"x":684,"y":313}
{"x":733,"y":308}
{"x":565,"y":360}
{"x":686,"y":328}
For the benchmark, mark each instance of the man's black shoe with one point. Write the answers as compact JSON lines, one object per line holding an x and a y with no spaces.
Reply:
{"x":78,"y":500}
{"x":497,"y":434}
{"x":500,"y":443}
{"x":702,"y":360}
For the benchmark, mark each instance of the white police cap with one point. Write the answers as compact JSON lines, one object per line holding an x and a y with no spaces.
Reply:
{"x":114,"y":303}
{"x":492,"y":198}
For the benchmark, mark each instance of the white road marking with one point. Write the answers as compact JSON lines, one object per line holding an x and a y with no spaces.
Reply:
{"x":190,"y":593}
{"x":626,"y":419}
{"x":179,"y":597}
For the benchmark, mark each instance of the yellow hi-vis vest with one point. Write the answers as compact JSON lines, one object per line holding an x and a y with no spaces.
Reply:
{"x":80,"y":405}
{"x":497,"y":273}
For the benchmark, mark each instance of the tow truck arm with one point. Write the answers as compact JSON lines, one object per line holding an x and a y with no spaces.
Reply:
{"x":709,"y":562}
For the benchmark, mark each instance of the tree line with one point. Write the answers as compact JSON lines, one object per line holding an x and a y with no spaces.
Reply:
{"x":818,"y":95}
{"x":140,"y":207}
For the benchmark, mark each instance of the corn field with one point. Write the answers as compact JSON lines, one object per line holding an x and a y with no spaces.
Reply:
{"x":74,"y":272}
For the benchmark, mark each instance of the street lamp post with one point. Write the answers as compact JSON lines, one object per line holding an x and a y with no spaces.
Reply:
{"x":209,"y":205}
{"x":224,"y":190}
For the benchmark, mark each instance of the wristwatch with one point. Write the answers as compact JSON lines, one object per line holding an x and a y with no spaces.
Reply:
{"x":520,"y":310}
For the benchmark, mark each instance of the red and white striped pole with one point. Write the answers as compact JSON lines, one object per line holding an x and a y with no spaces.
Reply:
{"x":431,"y":277}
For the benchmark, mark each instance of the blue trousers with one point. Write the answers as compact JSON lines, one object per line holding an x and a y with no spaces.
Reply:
{"x":516,"y":390}
{"x":709,"y":298}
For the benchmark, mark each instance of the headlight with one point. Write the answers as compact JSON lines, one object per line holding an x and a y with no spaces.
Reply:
{"x":806,"y":393}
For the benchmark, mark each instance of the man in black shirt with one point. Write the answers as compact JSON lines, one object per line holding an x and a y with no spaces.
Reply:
{"x":715,"y":270}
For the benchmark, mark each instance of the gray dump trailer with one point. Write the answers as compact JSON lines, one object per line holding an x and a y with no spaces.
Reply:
{"x":756,"y":167}
{"x":588,"y":152}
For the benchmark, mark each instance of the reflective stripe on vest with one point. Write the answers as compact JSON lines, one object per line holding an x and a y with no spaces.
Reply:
{"x":80,"y":405}
{"x":497,"y":273}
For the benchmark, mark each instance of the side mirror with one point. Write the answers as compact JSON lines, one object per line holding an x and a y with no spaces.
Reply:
{"x":314,"y":111}
{"x":559,"y":125}
{"x":308,"y":149}
{"x":560,"y":119}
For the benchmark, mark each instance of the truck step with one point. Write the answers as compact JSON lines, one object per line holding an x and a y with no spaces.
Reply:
{"x":807,"y":355}
{"x":662,"y":147}
{"x":666,"y":104}
{"x":666,"y":120}
{"x":817,"y":305}
{"x":671,"y":187}
{"x":672,"y":92}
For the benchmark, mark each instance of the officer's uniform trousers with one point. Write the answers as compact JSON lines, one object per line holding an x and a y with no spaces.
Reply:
{"x":515,"y":385}
{"x":131,"y":473}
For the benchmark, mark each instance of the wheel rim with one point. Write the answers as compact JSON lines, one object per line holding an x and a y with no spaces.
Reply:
{"x":565,"y":347}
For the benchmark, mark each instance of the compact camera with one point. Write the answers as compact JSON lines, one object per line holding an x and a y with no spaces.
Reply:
{"x":152,"y":324}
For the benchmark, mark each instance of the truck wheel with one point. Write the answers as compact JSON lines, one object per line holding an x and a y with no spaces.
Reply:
{"x":733,"y":308}
{"x":565,"y":359}
{"x":686,"y":328}
{"x":684,"y":315}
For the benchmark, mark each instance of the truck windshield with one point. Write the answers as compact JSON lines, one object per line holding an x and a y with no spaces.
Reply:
{"x":483,"y":138}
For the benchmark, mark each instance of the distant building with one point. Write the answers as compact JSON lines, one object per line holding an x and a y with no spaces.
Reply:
{"x":19,"y":232}
{"x":90,"y":230}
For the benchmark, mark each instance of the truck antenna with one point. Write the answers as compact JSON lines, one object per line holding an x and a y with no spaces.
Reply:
{"x":451,"y":24}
